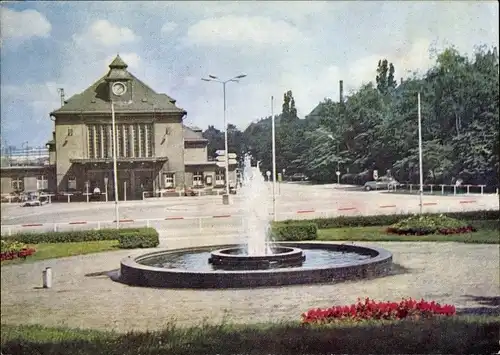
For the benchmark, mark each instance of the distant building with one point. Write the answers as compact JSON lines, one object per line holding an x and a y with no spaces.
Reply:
{"x":155,"y":151}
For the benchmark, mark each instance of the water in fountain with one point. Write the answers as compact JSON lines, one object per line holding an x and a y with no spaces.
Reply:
{"x":256,"y":221}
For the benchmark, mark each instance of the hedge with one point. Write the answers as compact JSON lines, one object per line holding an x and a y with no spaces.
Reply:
{"x":295,"y":231}
{"x":144,"y":237}
{"x":148,"y":238}
{"x":386,"y":220}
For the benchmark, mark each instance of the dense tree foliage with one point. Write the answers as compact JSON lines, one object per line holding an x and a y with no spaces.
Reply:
{"x":377,"y":127}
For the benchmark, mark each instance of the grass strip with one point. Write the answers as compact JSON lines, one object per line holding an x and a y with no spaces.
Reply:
{"x":59,"y":250}
{"x":453,"y":335}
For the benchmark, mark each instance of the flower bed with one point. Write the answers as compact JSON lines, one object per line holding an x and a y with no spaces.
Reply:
{"x":372,"y":310}
{"x":430,"y":224}
{"x":13,"y":250}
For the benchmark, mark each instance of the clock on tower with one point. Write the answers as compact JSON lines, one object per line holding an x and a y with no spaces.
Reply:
{"x":119,"y":80}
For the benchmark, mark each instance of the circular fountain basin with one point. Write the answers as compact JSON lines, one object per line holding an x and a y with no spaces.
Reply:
{"x":237,"y":259}
{"x":189,"y":267}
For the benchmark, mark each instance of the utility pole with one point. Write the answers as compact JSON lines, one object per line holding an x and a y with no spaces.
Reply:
{"x":420,"y":153}
{"x":115,"y":168}
{"x":274,"y":157}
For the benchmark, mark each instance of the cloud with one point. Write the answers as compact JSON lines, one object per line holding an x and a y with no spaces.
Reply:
{"x":104,"y":33}
{"x":168,"y":27}
{"x":242,"y":30}
{"x":23,"y":24}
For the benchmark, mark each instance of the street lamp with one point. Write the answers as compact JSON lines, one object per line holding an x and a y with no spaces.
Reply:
{"x":338,"y":163}
{"x":224,"y":82}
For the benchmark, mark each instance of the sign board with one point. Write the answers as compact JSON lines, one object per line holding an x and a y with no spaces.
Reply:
{"x":268,"y":173}
{"x":220,"y":158}
{"x":280,"y":177}
{"x":375,"y":174}
{"x":231,"y":155}
{"x":105,"y":181}
{"x":222,"y":163}
{"x":220,"y":152}
{"x":338,"y":173}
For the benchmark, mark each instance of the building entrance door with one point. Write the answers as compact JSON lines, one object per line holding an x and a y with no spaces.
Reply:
{"x":124,"y":185}
{"x":143,"y":183}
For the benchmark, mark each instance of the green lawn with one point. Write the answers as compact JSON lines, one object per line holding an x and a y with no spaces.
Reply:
{"x":59,"y":250}
{"x":454,"y":335}
{"x":487,"y":233}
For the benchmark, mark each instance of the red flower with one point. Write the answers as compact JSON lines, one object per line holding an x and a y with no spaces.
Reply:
{"x":369,"y":309}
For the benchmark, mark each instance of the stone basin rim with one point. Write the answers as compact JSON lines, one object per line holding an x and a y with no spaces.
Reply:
{"x":382,"y":255}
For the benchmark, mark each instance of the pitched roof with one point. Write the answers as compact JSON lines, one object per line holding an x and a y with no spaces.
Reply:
{"x":191,"y":134}
{"x":95,"y":99}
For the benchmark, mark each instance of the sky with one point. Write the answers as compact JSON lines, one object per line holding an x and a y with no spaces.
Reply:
{"x":306,"y":47}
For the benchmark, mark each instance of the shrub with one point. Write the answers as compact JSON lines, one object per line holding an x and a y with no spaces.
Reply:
{"x":430,"y":224}
{"x":372,"y":310}
{"x":144,"y":236}
{"x":146,"y":239}
{"x":295,"y":231}
{"x":386,"y":220}
{"x":12,"y":250}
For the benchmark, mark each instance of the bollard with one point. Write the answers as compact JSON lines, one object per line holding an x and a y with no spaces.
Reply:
{"x":454,"y":189}
{"x":411,"y":188}
{"x":442,"y":189}
{"x":47,"y":277}
{"x":468,"y":186}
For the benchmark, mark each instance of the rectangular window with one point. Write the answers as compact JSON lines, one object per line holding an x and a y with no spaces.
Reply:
{"x":126,"y":148}
{"x":137,"y":139}
{"x":142,"y":135}
{"x":169,"y":180}
{"x":132,"y":141}
{"x":198,"y":179}
{"x":99,"y":141}
{"x":220,"y":177}
{"x":18,"y":184}
{"x":71,"y":183}
{"x":119,"y":140}
{"x":149,"y":140}
{"x":42,"y":182}
{"x":91,"y":141}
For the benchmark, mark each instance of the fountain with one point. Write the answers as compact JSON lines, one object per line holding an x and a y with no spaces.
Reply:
{"x":258,"y":253}
{"x":258,"y":261}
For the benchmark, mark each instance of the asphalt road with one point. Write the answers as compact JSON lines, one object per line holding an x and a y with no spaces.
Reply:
{"x":197,"y":214}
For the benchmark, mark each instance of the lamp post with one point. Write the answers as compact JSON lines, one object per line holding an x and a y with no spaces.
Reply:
{"x":274,"y":157}
{"x":338,"y":163}
{"x":115,"y":169}
{"x":421,"y":192}
{"x":224,"y":82}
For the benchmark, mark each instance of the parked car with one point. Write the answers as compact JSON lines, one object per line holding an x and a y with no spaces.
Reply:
{"x":382,"y":183}
{"x":298,"y":177}
{"x":31,"y":200}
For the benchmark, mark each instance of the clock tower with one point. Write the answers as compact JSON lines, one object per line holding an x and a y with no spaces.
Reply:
{"x":119,"y":81}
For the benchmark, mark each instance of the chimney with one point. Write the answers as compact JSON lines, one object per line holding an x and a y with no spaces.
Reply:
{"x":341,"y":91}
{"x":401,"y":81}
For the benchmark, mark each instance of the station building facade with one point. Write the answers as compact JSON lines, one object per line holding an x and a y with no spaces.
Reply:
{"x":155,"y":150}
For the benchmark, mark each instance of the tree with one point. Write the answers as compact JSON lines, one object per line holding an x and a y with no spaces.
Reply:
{"x":385,"y":76}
